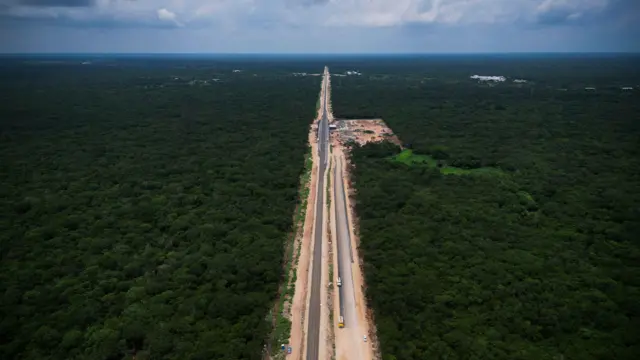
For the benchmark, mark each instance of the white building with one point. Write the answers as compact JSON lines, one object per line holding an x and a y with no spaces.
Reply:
{"x":488,"y":78}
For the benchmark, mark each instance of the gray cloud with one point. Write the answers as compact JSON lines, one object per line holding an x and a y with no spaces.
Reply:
{"x":57,"y":3}
{"x":554,"y":17}
{"x":294,"y":3}
{"x":624,"y":9}
{"x":415,"y":15}
{"x":614,"y":11}
{"x":104,"y":23}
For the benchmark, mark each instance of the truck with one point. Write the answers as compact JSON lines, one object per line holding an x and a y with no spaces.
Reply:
{"x":339,"y":281}
{"x":341,"y":322}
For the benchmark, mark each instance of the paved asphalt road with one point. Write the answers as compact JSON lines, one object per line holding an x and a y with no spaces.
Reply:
{"x":313,"y":330}
{"x":345,"y":258}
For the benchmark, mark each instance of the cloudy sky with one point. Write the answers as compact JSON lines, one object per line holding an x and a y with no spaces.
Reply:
{"x":319,"y":26}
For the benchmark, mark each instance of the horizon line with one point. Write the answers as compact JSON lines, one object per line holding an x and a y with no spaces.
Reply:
{"x":316,"y":54}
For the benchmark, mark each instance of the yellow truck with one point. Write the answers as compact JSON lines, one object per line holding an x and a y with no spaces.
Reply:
{"x":341,"y":322}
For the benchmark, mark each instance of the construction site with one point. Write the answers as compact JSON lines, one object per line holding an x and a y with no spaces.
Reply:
{"x":361,"y":131}
{"x":355,"y":334}
{"x":330,"y":317}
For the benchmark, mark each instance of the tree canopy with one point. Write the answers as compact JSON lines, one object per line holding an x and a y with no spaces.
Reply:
{"x":538,"y":260}
{"x":144,"y":212}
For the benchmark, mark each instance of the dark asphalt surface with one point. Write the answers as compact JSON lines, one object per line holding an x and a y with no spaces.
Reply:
{"x":338,"y":241}
{"x":344,"y":253}
{"x":313,"y":330}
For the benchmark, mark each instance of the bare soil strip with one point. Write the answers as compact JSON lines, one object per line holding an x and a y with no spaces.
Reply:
{"x":360,"y":131}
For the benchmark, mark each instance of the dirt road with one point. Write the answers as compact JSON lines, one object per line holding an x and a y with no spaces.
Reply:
{"x":350,"y":342}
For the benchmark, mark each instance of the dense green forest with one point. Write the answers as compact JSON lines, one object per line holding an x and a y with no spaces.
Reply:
{"x":145,"y":206}
{"x":538,"y":258}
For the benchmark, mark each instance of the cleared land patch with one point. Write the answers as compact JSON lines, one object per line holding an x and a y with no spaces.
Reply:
{"x":408,"y":157}
{"x":362,"y":131}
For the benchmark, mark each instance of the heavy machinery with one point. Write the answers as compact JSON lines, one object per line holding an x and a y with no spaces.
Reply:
{"x":341,"y":322}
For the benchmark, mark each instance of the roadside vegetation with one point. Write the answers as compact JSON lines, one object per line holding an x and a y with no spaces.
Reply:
{"x":282,"y":329}
{"x":541,"y":262}
{"x":408,"y":157}
{"x":143,"y":218}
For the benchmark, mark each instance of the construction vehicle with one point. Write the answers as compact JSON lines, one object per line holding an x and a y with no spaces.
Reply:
{"x":341,"y":322}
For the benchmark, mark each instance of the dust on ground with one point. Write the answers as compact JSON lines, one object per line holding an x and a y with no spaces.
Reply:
{"x":362,"y":131}
{"x":346,"y":348}
{"x":348,"y":341}
{"x":298,"y":307}
{"x":365,"y":314}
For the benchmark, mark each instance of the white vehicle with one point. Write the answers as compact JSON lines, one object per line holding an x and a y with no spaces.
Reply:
{"x":339,"y":281}
{"x":365,"y":338}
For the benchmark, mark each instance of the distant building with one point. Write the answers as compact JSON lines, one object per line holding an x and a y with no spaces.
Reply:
{"x":488,"y":78}
{"x":627,"y":88}
{"x":590,"y":89}
{"x":333,"y":127}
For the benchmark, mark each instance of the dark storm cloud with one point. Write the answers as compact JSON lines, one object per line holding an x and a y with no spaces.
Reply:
{"x":57,"y":3}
